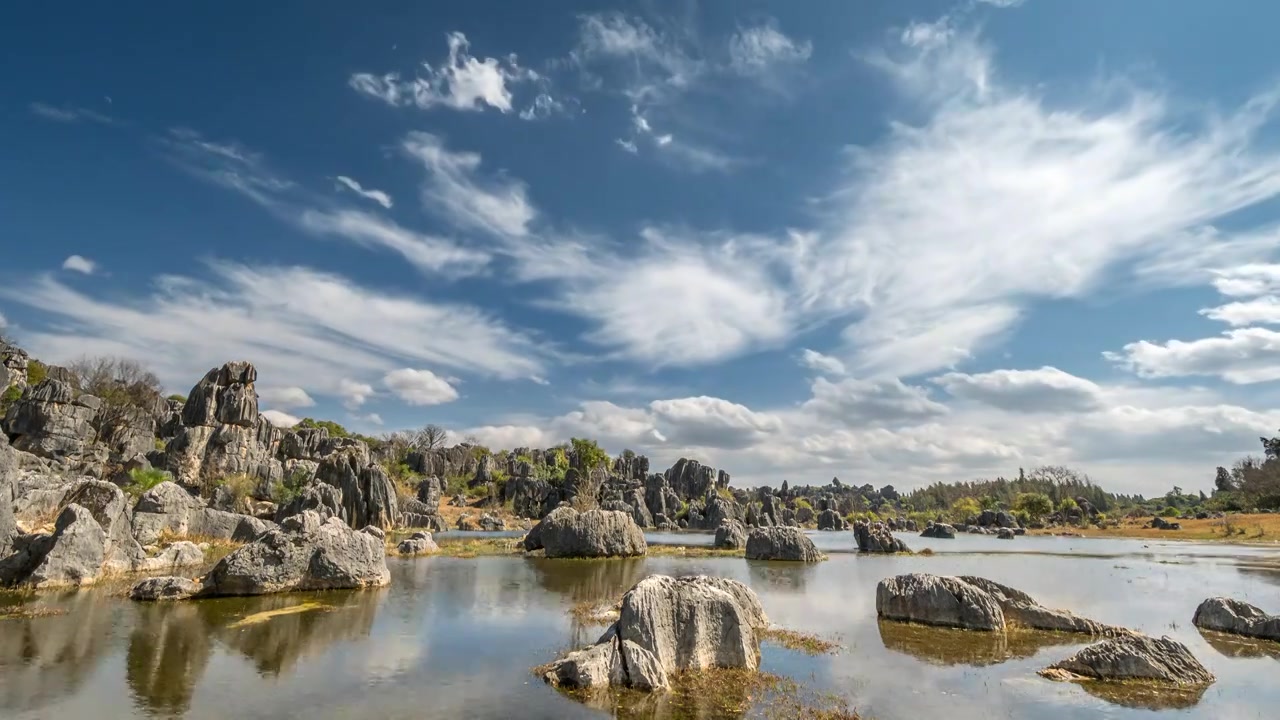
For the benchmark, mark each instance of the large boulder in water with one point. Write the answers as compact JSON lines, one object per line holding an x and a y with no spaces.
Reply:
{"x":1133,"y":657}
{"x":666,"y":626}
{"x":781,"y":543}
{"x":941,"y":531}
{"x":876,"y":538}
{"x":419,"y":543}
{"x":1236,"y":617}
{"x":565,"y":532}
{"x":831,"y":520}
{"x":731,"y":535}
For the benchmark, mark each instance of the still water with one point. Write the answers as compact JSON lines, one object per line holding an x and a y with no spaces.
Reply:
{"x":456,"y":637}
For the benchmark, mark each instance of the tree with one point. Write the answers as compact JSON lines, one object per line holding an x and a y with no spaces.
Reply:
{"x":1068,"y":506}
{"x":125,"y":387}
{"x":335,"y":430}
{"x":1035,"y":505}
{"x":1224,"y":482}
{"x":964,"y":509}
{"x":429,"y":437}
{"x":588,"y":454}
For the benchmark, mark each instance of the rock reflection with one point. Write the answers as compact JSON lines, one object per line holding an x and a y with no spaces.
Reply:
{"x":786,"y":577}
{"x":168,"y":651}
{"x":589,"y":580}
{"x":1142,"y":696}
{"x":44,"y":659}
{"x":1237,"y":646}
{"x":949,"y":646}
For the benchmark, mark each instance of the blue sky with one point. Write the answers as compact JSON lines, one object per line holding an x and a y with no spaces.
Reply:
{"x":886,"y":241}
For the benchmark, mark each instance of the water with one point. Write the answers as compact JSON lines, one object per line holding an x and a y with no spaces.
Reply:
{"x":457,"y":637}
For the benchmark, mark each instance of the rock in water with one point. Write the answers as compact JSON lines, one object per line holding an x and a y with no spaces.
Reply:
{"x":941,"y":531}
{"x":419,"y":543}
{"x":731,"y":535}
{"x":1133,"y":657}
{"x":669,"y":625}
{"x":596,"y":533}
{"x":1021,"y":609}
{"x":876,"y":538}
{"x":1236,"y":617}
{"x":72,"y":556}
{"x":781,"y":543}
{"x":938,"y":600}
{"x":165,"y":588}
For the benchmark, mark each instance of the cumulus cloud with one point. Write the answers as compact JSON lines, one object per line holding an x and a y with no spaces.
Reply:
{"x":280,"y":419}
{"x":712,"y":422}
{"x":462,"y":82}
{"x":815,"y":360}
{"x":353,"y":394}
{"x":285,"y":397}
{"x":80,"y":264}
{"x":419,"y":387}
{"x":856,"y":401}
{"x":1243,"y":356}
{"x":377,"y":196}
{"x":1047,"y":389}
{"x":299,"y":325}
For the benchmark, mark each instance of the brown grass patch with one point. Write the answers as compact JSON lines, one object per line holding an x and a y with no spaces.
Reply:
{"x":477,"y":547}
{"x":799,"y":641}
{"x":693,"y":551}
{"x":1234,"y":528}
{"x":595,"y":612}
{"x":24,"y":612}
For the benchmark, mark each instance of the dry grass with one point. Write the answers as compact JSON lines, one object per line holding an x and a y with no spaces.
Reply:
{"x":262,"y":617}
{"x":798,"y":641}
{"x":24,"y":612}
{"x":450,"y":514}
{"x":595,"y":612}
{"x":1238,"y":528}
{"x":216,"y":549}
{"x":477,"y":547}
{"x":693,"y":551}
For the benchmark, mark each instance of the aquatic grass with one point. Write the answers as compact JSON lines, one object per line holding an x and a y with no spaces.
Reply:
{"x":261,"y":617}
{"x":595,"y":612}
{"x":694,"y":551}
{"x":24,"y":612}
{"x":800,"y":642}
{"x":478,"y":547}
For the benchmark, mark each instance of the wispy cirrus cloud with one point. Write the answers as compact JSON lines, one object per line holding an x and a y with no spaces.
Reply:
{"x":373,"y":194}
{"x":69,"y":114}
{"x":80,"y":264}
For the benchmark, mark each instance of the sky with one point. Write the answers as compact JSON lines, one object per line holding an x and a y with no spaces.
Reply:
{"x":886,"y":241}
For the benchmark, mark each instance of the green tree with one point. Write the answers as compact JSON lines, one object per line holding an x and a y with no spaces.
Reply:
{"x":588,"y":453}
{"x":965,"y":508}
{"x":1035,"y":505}
{"x":335,"y":430}
{"x":1067,"y":506}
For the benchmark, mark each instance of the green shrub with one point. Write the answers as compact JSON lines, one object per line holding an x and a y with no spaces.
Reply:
{"x":240,"y":486}
{"x":588,"y":453}
{"x":803,"y":503}
{"x":36,"y":372}
{"x":178,"y":398}
{"x":456,"y":485}
{"x":10,"y":396}
{"x":143,"y":479}
{"x":335,"y":430}
{"x":1170,"y":511}
{"x":291,"y":486}
{"x":479,"y":451}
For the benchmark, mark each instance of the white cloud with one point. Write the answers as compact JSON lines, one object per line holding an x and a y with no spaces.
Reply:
{"x":1046,"y":390}
{"x":80,"y":264}
{"x":1264,"y":310}
{"x":712,"y":422}
{"x":371,"y":418}
{"x":500,"y":207}
{"x":377,"y":196}
{"x":461,"y":83}
{"x":419,"y":387}
{"x":946,"y":229}
{"x":425,"y":252}
{"x":815,"y":360}
{"x":353,"y":394}
{"x":69,"y":114}
{"x":285,"y":397}
{"x":759,"y":49}
{"x":855,"y":401}
{"x":1248,"y":280}
{"x":4,"y":322}
{"x":280,"y":419}
{"x":1001,"y":3}
{"x":298,"y":325}
{"x":1242,"y":356}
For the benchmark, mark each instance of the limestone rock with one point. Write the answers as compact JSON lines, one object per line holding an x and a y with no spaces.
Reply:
{"x":596,"y":533}
{"x":419,"y":543}
{"x":72,"y":556}
{"x":731,"y":535}
{"x":50,"y":421}
{"x":876,"y":538}
{"x":165,"y":588}
{"x":1021,"y":609}
{"x":1236,"y":617}
{"x":781,"y":543}
{"x":938,"y":600}
{"x":181,"y":554}
{"x":321,"y":498}
{"x":941,"y":531}
{"x":831,"y":520}
{"x":8,"y":476}
{"x":109,"y":507}
{"x":1134,"y":657}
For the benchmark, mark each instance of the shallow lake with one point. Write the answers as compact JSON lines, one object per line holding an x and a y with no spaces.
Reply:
{"x":457,"y":637}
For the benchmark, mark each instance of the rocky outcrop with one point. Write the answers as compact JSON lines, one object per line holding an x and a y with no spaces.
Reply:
{"x":941,"y":531}
{"x":831,"y":520}
{"x":304,"y":553}
{"x":781,"y":543}
{"x":731,"y":535}
{"x":1160,"y":523}
{"x":667,"y":626}
{"x":169,"y":509}
{"x":690,"y":479}
{"x":1133,"y":657}
{"x":51,"y":421}
{"x":876,"y":538}
{"x":974,"y":603}
{"x":1236,"y":617}
{"x":8,"y":476}
{"x":419,"y":543}
{"x":13,"y":366}
{"x":321,"y":498}
{"x":165,"y":588}
{"x":109,"y":508}
{"x":531,"y":498}
{"x":1004,"y":533}
{"x":596,"y":533}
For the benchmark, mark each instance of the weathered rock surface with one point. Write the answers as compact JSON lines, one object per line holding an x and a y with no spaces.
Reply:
{"x":321,"y":498}
{"x":109,"y":507}
{"x":876,"y":538}
{"x":168,"y":508}
{"x":1236,"y":617}
{"x":419,"y":543}
{"x":731,"y":535}
{"x":1021,"y":609}
{"x":72,"y":556}
{"x":8,"y":476}
{"x":50,"y":421}
{"x":831,"y":520}
{"x":942,"y":531}
{"x":165,"y":588}
{"x":781,"y":543}
{"x":182,"y":554}
{"x":596,"y":533}
{"x":669,"y":625}
{"x":1134,"y":657}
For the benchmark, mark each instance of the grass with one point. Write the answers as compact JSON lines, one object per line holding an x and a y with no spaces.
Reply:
{"x":693,"y":551}
{"x":24,"y":612}
{"x":798,"y":641}
{"x":477,"y":547}
{"x":594,"y":612}
{"x":215,"y":548}
{"x":1237,"y":528}
{"x":262,"y":617}
{"x":143,"y":479}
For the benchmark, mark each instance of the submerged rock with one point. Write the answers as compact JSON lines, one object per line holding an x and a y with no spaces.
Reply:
{"x":1133,"y":657}
{"x":1236,"y":617}
{"x":596,"y":533}
{"x":781,"y":543}
{"x":666,"y":626}
{"x":876,"y":538}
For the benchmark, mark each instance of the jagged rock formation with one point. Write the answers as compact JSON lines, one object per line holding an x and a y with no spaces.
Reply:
{"x":667,"y":626}
{"x":596,"y":533}
{"x":8,"y":474}
{"x":731,"y":535}
{"x":781,"y":543}
{"x":419,"y":543}
{"x":876,"y":538}
{"x":1236,"y":617}
{"x":50,"y":421}
{"x":13,"y":366}
{"x":1134,"y":657}
{"x":939,"y":530}
{"x":168,"y":508}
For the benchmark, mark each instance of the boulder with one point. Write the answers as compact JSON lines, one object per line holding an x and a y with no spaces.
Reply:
{"x":938,"y":600}
{"x":596,"y":533}
{"x":8,"y":476}
{"x":179,"y":555}
{"x":1022,"y":610}
{"x":781,"y":543}
{"x":1236,"y":617}
{"x":109,"y":507}
{"x":1005,"y":533}
{"x":731,"y":535}
{"x":831,"y":520}
{"x":321,"y":498}
{"x":1134,"y":657}
{"x":941,"y":531}
{"x":489,"y":523}
{"x":165,"y":588}
{"x":51,"y":421}
{"x":419,"y":543}
{"x":876,"y":538}
{"x":72,"y":556}
{"x":667,"y":626}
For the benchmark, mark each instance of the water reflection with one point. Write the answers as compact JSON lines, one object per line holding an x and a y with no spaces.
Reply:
{"x":168,"y":651}
{"x":786,"y":577}
{"x":1139,"y":696}
{"x":949,"y":646}
{"x":45,"y":658}
{"x":1241,"y":647}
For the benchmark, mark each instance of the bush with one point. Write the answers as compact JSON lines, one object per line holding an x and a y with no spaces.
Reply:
{"x":143,"y":479}
{"x":178,"y":398}
{"x":1033,"y":504}
{"x":964,"y":509}
{"x":240,"y":486}
{"x":36,"y":372}
{"x":588,"y":453}
{"x":291,"y":486}
{"x":803,"y":503}
{"x":335,"y":430}
{"x":1170,"y":511}
{"x":405,"y":479}
{"x":456,"y":485}
{"x":10,"y":396}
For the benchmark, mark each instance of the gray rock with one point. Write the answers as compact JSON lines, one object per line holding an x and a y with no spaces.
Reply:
{"x":109,"y":507}
{"x":876,"y":538}
{"x":304,"y":553}
{"x":731,"y":535}
{"x":1134,"y":657}
{"x":1236,"y":617}
{"x":831,"y":520}
{"x":1005,"y":533}
{"x":8,"y":476}
{"x":596,"y":533}
{"x":781,"y":543}
{"x":938,"y":600}
{"x":72,"y":556}
{"x":181,"y":554}
{"x":50,"y":421}
{"x":419,"y":543}
{"x":165,"y":588}
{"x":489,"y":523}
{"x":321,"y":498}
{"x":941,"y":531}
{"x":1022,"y":610}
